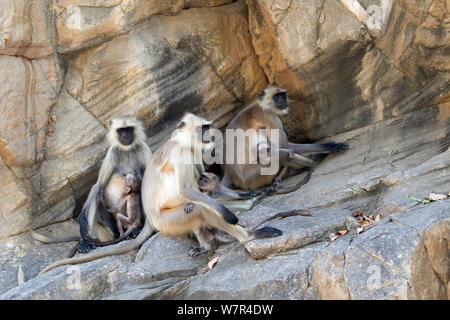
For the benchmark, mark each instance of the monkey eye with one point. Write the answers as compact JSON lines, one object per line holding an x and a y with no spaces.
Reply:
{"x":129,"y":129}
{"x":206,"y":127}
{"x":261,"y":95}
{"x":281,"y":95}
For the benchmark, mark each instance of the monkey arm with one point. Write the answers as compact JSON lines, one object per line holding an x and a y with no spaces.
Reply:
{"x":107,"y":168}
{"x":90,"y":209}
{"x":223,"y":193}
{"x":277,"y":184}
{"x":317,"y":147}
{"x":294,"y":160}
{"x":196,"y":196}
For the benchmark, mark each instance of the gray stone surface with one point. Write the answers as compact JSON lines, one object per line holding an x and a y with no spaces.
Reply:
{"x":72,"y":65}
{"x":403,"y":256}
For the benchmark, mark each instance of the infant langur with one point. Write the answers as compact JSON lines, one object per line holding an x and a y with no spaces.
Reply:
{"x":209,"y":183}
{"x":127,"y":212}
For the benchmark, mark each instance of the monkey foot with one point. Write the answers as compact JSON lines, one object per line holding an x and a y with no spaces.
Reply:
{"x":197,"y":251}
{"x":135,"y":233}
{"x":277,"y":185}
{"x":84,"y":246}
{"x":189,"y":207}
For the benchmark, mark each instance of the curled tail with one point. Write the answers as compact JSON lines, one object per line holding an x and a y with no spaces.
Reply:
{"x":119,"y":249}
{"x":48,"y":239}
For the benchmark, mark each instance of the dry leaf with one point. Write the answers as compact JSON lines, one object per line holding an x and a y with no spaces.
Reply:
{"x":357,"y":214}
{"x":359,"y":230}
{"x":377,"y":218}
{"x":368,"y":219}
{"x":342,"y":232}
{"x":213,"y":262}
{"x":53,"y":118}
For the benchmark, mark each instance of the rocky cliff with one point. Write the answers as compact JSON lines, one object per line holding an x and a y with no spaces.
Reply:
{"x":374,"y":73}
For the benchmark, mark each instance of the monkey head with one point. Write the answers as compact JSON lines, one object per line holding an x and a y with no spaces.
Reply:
{"x":125,"y":132}
{"x":274,"y":99}
{"x":208,"y":181}
{"x":131,"y":183}
{"x":192,"y":130}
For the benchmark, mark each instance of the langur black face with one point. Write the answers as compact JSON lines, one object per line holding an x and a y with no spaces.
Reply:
{"x":203,"y":181}
{"x":208,"y":181}
{"x":125,"y":135}
{"x":280,"y":100}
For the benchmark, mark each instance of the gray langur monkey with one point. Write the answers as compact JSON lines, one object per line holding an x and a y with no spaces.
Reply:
{"x":127,"y":212}
{"x":171,"y":196}
{"x":127,"y":154}
{"x":263,"y":113}
{"x":172,"y":200}
{"x":210,"y":184}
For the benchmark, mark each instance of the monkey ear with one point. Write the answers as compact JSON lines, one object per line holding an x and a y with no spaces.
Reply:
{"x":261,"y":95}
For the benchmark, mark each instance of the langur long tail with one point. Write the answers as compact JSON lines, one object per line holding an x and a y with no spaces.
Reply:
{"x":124,"y":247}
{"x":48,"y":239}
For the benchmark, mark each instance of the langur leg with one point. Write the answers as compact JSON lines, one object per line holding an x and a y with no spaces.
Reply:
{"x":107,"y":228}
{"x":104,"y":225}
{"x":134,"y":211}
{"x":287,"y":158}
{"x":204,"y":236}
{"x":282,"y":173}
{"x":237,"y":231}
{"x":223,"y":237}
{"x":121,"y":220}
{"x":277,"y":184}
{"x":226,"y":181}
{"x":227,"y":194}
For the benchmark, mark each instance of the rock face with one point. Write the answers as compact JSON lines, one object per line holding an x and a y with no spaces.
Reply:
{"x":374,"y":73}
{"x":346,"y":69}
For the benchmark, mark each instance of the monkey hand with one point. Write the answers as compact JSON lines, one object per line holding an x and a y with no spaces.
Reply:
{"x":189,"y":207}
{"x":277,"y":185}
{"x":335,"y":147}
{"x":197,"y":251}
